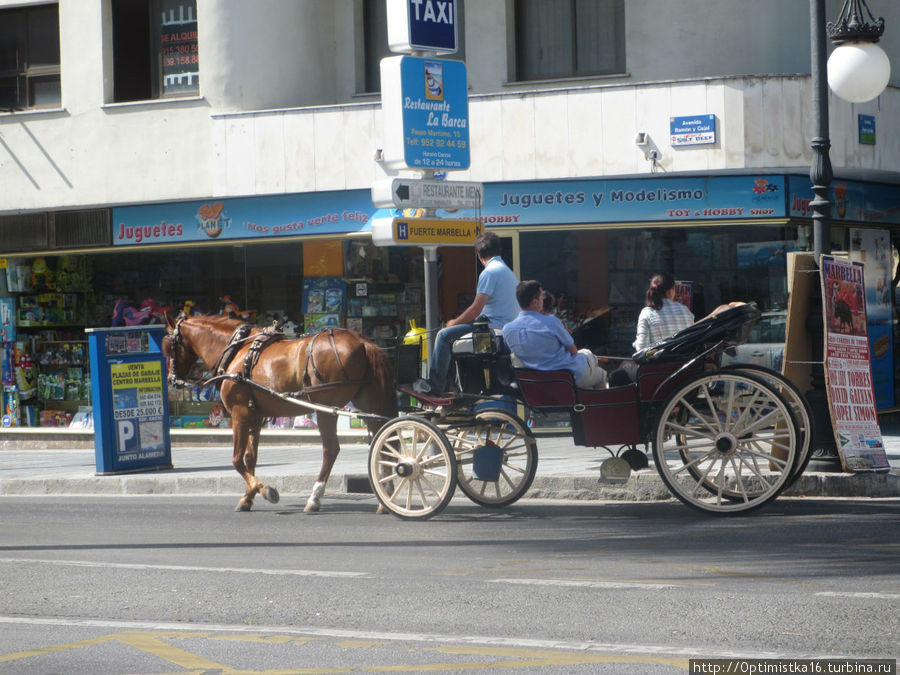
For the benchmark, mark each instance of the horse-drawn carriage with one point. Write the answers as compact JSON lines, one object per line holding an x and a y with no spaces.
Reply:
{"x":723,"y":439}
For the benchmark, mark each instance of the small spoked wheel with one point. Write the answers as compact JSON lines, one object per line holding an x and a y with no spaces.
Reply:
{"x":799,"y":406}
{"x":497,"y":457}
{"x":412,"y":468}
{"x":726,"y":442}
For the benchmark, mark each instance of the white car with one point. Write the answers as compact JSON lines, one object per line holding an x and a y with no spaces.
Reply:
{"x":765,"y":344}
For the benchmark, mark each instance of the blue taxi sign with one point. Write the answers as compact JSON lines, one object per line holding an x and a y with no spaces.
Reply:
{"x":422,"y":26}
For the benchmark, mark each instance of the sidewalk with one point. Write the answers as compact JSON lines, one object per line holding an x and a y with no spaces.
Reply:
{"x":565,"y":471}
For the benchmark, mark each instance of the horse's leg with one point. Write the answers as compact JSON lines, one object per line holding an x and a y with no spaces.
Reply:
{"x":330,"y":450}
{"x":246,"y":426}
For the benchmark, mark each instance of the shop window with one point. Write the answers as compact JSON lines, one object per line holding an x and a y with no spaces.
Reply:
{"x":569,"y":38}
{"x":601,"y":276}
{"x":154,"y":49}
{"x":29,"y":58}
{"x":376,"y":42}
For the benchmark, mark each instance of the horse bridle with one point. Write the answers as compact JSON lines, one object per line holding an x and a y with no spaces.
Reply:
{"x":175,"y":342}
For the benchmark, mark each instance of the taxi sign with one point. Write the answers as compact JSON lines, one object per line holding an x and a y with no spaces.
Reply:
{"x":395,"y":231}
{"x":422,"y":26}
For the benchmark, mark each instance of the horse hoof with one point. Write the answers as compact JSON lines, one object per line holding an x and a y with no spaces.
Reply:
{"x":270,"y":494}
{"x":380,"y":509}
{"x":243,"y":506}
{"x":311,"y":508}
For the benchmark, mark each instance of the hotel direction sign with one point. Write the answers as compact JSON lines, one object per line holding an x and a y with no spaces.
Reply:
{"x":404,"y":193}
{"x":395,"y":231}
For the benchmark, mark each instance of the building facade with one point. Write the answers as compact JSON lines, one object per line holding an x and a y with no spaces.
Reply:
{"x":204,"y":152}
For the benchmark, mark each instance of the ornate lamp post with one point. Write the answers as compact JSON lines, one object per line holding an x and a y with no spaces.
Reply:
{"x":857,"y":71}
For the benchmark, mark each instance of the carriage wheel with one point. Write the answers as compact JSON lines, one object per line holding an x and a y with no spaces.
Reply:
{"x":715,"y":440}
{"x":799,"y":406}
{"x":495,"y":431}
{"x":412,"y":468}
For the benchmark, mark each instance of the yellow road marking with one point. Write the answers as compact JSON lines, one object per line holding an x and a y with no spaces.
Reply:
{"x":494,"y":657}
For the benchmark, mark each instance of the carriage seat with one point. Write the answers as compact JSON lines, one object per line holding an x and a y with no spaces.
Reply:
{"x":546,"y":390}
{"x":599,"y":417}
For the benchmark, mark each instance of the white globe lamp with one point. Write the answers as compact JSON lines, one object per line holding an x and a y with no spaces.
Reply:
{"x":858,"y":71}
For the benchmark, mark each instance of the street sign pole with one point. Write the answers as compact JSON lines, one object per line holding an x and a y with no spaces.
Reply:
{"x":430,"y":134}
{"x":430,"y":258}
{"x":431,"y":296}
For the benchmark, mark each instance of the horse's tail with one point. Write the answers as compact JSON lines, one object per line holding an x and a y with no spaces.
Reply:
{"x":383,"y":378}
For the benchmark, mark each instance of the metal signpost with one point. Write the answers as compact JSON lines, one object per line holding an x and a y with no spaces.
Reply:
{"x":425,"y":105}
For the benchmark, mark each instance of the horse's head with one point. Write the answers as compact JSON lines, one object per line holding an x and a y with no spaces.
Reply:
{"x":179,"y":356}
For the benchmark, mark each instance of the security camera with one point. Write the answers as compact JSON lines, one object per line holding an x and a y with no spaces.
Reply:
{"x":653,"y":155}
{"x":642,"y":139}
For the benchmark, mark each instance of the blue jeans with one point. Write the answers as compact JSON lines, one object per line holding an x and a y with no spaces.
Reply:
{"x":439,"y":367}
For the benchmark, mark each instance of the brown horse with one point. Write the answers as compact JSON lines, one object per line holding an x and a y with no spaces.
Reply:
{"x":330,"y":368}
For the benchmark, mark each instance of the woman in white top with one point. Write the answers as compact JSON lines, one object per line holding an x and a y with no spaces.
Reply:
{"x":663,"y":316}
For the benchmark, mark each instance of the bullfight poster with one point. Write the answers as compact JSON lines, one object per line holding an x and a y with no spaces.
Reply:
{"x":848,"y":372}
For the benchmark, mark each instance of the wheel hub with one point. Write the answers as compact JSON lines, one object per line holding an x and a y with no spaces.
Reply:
{"x":407,"y":468}
{"x":725,"y":443}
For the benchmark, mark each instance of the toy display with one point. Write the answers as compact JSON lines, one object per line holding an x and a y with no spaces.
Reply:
{"x":26,"y":375}
{"x":230,"y":308}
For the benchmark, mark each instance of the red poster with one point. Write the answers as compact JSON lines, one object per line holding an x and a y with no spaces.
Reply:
{"x":848,"y":372}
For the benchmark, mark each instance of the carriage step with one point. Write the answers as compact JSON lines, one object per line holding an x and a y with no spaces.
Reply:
{"x":358,"y":484}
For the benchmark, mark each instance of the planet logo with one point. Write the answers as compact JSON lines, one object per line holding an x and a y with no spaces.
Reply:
{"x":434,"y":81}
{"x":212,"y":221}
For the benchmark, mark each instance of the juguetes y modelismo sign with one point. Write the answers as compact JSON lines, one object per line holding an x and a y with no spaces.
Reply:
{"x":555,"y":202}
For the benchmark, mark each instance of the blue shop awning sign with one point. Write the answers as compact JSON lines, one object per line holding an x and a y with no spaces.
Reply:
{"x":692,"y":130}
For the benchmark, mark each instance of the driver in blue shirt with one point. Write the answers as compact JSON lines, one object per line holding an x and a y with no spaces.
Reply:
{"x":495,"y":298}
{"x":540,"y":341}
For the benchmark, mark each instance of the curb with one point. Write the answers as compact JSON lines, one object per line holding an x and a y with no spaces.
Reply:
{"x":645,"y":486}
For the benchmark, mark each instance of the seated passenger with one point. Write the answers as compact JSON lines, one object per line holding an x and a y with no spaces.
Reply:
{"x":663,"y":315}
{"x":540,"y":341}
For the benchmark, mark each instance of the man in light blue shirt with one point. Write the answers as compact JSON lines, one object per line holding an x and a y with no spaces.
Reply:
{"x":540,"y":341}
{"x":495,"y":297}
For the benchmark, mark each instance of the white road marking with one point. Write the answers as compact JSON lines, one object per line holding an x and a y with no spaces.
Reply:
{"x":645,"y":585}
{"x":850,"y":594}
{"x":510,"y":642}
{"x":185,"y":568}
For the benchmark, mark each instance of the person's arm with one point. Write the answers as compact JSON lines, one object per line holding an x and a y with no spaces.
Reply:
{"x":642,"y":339}
{"x":572,"y":349}
{"x":471,"y":312}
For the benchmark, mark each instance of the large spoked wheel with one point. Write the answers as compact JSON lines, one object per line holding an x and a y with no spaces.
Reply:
{"x":412,"y":468}
{"x":799,"y":406}
{"x":726,"y":442}
{"x":496,"y":457}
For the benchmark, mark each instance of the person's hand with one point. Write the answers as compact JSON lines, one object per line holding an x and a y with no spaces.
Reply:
{"x":450,"y":322}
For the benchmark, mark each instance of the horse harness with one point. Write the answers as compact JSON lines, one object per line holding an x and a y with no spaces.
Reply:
{"x":259,"y":342}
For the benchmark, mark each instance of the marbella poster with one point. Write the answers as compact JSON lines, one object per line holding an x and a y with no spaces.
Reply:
{"x":848,"y":372}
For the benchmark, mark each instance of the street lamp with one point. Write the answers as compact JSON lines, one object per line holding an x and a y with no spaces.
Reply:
{"x":857,"y":71}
